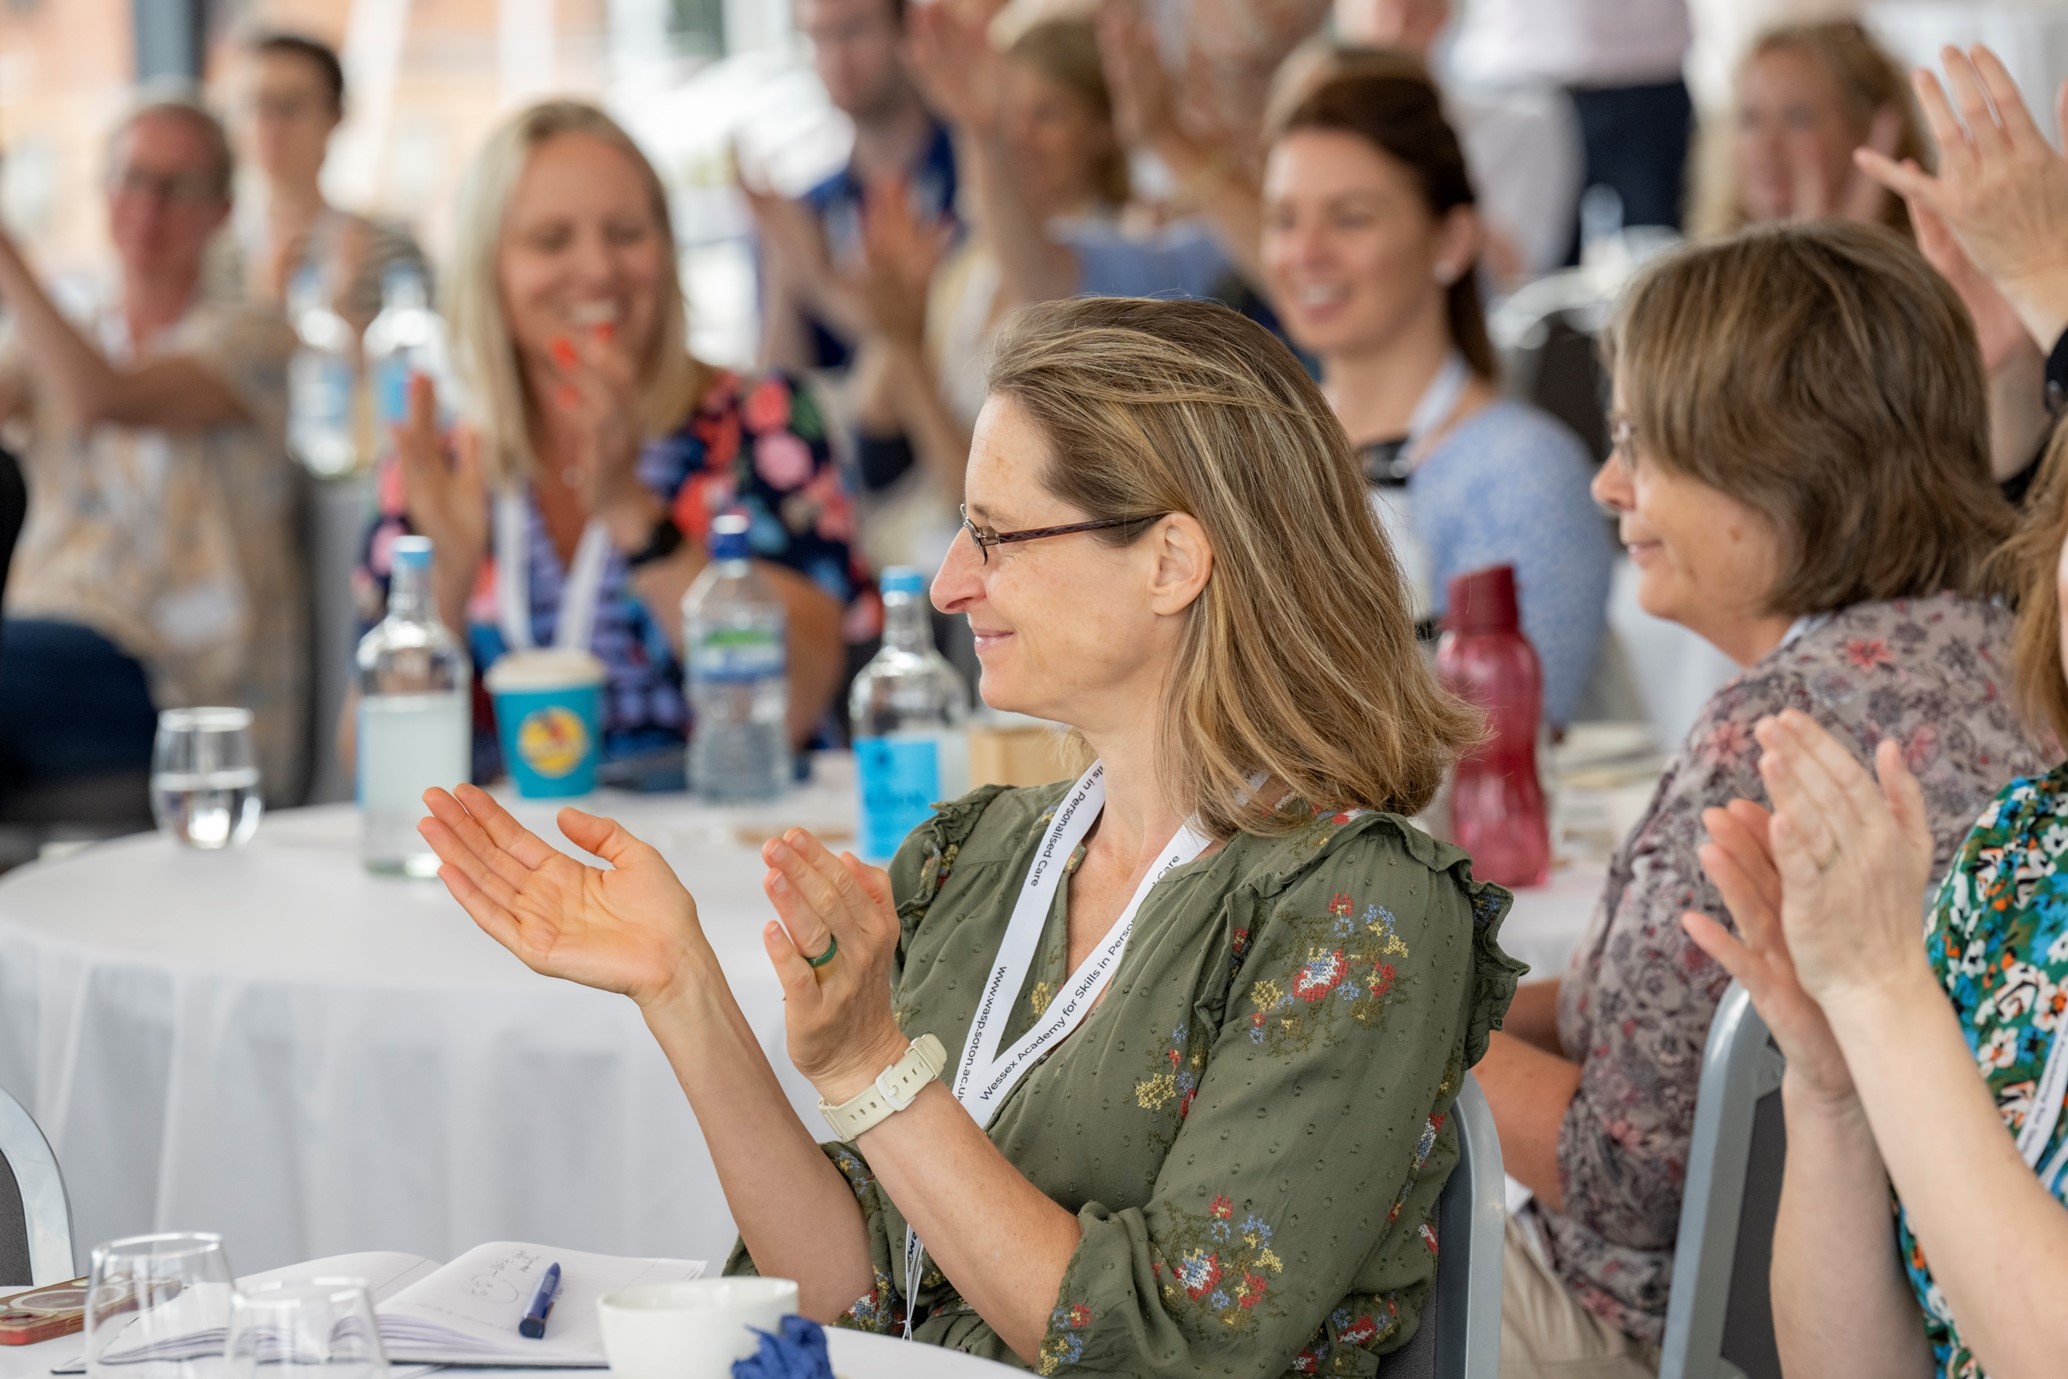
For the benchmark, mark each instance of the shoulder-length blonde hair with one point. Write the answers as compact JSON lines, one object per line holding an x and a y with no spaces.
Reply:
{"x":1299,"y":658}
{"x":1868,"y":81}
{"x":496,"y":400}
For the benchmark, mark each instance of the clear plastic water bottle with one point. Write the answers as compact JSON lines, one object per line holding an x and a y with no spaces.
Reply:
{"x":1497,"y":809}
{"x":909,"y":708}
{"x":408,"y":337}
{"x":736,"y":649}
{"x":322,"y":380}
{"x":415,"y":716}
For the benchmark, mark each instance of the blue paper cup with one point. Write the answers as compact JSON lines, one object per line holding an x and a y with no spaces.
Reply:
{"x":549,"y":720}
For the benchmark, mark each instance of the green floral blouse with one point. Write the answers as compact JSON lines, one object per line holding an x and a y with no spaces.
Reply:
{"x":1252,"y":1124}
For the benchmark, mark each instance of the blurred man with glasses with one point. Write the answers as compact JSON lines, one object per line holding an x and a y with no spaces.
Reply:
{"x":157,"y":567}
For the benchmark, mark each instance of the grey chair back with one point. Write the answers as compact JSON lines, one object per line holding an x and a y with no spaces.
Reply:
{"x":1459,"y":1336}
{"x":1719,"y":1318}
{"x":35,"y":1216}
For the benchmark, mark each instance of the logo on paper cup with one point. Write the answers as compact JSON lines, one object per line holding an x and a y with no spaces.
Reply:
{"x":553,"y":741}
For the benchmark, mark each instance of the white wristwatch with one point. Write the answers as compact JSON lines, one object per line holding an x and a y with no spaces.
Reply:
{"x":892,"y":1091}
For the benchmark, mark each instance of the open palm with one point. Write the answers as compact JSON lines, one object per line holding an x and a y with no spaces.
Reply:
{"x":631,"y":928}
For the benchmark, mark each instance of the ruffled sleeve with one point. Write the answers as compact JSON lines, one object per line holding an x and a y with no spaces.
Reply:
{"x":1301,"y":1185}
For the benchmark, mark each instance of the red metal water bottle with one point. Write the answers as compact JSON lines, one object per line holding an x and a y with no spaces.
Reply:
{"x":1496,"y":801}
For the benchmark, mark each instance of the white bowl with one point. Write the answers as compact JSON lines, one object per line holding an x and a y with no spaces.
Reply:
{"x":690,"y":1330}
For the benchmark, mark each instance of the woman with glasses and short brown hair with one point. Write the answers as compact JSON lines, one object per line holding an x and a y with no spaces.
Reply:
{"x":1146,"y":1073}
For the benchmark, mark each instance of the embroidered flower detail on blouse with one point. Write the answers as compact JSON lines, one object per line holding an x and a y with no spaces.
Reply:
{"x":1179,"y":1079}
{"x":1039,"y":997}
{"x":1064,"y":1344}
{"x":1349,"y":1329}
{"x":1347,"y":962}
{"x":1222,"y":1267}
{"x":855,"y":1171}
{"x":1425,"y":1142}
{"x":877,"y":1310}
{"x":1869,"y":653}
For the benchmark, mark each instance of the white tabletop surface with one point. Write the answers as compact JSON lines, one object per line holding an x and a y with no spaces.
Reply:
{"x":274,"y":1044}
{"x":854,"y":1356}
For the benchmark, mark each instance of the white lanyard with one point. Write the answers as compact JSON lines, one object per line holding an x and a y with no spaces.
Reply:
{"x":983,"y":1076}
{"x":1435,"y":406}
{"x":579,"y":596}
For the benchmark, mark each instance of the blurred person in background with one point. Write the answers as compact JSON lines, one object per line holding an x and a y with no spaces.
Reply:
{"x":1370,"y":250}
{"x":934,"y":306}
{"x":1522,"y":141}
{"x":1801,"y":478}
{"x":571,"y":506}
{"x":288,"y":99}
{"x":1620,"y":62}
{"x":1808,"y":98}
{"x":809,"y":320}
{"x":963,"y":73}
{"x":1805,"y":97}
{"x":159,"y":565}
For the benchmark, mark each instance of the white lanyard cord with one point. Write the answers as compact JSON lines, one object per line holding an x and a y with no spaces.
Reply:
{"x":579,"y":596}
{"x":983,"y":1076}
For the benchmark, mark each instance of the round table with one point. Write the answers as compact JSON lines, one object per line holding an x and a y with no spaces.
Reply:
{"x":272,"y":1043}
{"x":854,"y":1354}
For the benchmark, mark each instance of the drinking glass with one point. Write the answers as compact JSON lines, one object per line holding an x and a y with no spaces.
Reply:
{"x":205,"y":778}
{"x":157,"y":1307}
{"x":322,"y":1328}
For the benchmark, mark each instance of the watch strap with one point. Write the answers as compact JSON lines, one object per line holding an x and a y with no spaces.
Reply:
{"x":891,"y":1092}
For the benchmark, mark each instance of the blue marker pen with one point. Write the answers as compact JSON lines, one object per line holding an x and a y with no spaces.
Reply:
{"x":534,"y":1323}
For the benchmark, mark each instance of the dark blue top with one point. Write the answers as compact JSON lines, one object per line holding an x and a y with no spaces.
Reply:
{"x":837,"y":202}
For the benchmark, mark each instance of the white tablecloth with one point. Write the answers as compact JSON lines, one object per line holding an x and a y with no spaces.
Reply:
{"x":312,"y":1060}
{"x":854,"y":1356}
{"x":273,"y":1044}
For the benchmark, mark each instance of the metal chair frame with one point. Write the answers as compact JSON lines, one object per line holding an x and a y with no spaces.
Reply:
{"x":1740,"y":1068}
{"x":46,"y":1211}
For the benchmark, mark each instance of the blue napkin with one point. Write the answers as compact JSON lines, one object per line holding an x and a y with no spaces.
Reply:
{"x":797,"y":1350}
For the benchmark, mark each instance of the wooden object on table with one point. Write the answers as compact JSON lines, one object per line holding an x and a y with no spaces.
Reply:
{"x":1017,"y":751}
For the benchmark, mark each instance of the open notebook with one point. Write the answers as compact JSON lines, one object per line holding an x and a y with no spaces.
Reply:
{"x":462,"y":1313}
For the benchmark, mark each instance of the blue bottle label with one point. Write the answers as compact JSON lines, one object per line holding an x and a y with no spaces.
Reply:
{"x":900,"y":780}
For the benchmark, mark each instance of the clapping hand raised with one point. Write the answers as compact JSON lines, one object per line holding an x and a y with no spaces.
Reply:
{"x":2001,"y":189}
{"x":444,"y":490}
{"x":597,"y":390}
{"x":948,"y":51}
{"x":1827,"y":891}
{"x":1739,"y":859}
{"x":832,"y":952}
{"x":631,"y":928}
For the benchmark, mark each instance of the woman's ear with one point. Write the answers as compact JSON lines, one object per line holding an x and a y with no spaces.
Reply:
{"x":1460,"y":240}
{"x":1184,"y":560}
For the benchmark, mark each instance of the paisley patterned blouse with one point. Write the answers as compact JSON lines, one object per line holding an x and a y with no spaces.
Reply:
{"x":1251,"y":1127}
{"x":1998,"y":939}
{"x":1636,"y":1006}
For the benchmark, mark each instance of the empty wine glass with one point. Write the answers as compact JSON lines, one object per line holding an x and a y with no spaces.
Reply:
{"x":205,"y":778}
{"x":321,"y":1328}
{"x":157,"y":1307}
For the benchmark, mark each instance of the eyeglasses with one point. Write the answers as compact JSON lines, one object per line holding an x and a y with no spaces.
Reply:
{"x":985,"y":540}
{"x":1622,"y":440}
{"x":178,"y":188}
